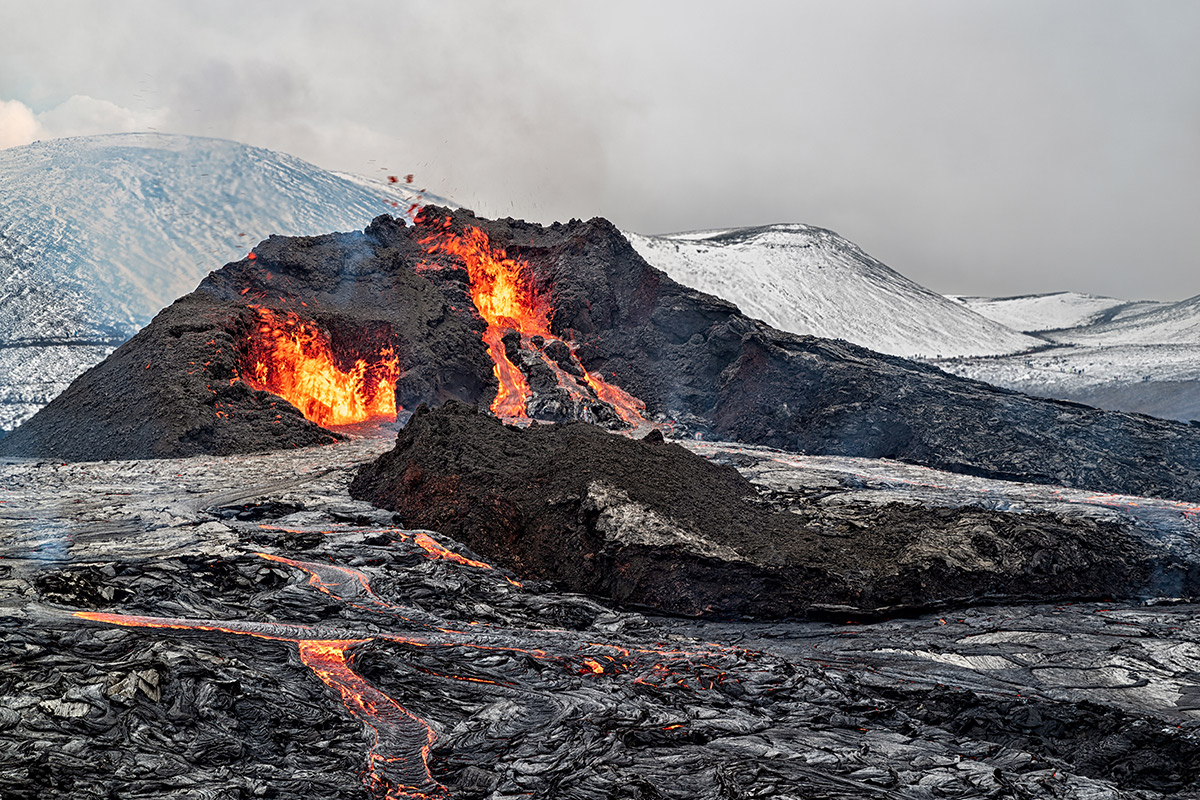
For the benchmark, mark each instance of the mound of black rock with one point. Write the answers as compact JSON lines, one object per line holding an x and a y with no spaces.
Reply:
{"x":174,"y":389}
{"x":651,"y":524}
{"x":693,"y":359}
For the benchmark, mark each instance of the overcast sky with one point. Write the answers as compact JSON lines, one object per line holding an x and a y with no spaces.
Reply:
{"x":978,"y":147}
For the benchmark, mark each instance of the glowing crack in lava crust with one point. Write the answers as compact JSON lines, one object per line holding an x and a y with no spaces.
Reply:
{"x":507,"y":297}
{"x":294,"y":359}
{"x":398,"y":760}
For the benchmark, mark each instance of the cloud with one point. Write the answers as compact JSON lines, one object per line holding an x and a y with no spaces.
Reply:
{"x":18,"y":124}
{"x":80,"y":115}
{"x":83,"y":116}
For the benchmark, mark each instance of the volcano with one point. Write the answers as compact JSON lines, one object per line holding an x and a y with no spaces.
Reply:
{"x":557,"y":323}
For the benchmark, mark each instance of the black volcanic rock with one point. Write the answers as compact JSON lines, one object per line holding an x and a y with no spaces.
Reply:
{"x":693,"y":359}
{"x":651,"y":524}
{"x":171,"y":390}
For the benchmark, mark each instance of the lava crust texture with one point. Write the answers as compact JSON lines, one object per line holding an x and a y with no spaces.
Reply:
{"x":692,"y":359}
{"x":236,"y":627}
{"x":651,"y":524}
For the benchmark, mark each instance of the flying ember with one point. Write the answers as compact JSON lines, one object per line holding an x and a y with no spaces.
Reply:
{"x":294,"y":359}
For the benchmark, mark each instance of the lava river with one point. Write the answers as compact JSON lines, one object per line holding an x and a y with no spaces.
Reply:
{"x":398,"y":764}
{"x":508,"y":298}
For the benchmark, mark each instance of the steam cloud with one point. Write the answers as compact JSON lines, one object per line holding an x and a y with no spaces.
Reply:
{"x":992,"y":148}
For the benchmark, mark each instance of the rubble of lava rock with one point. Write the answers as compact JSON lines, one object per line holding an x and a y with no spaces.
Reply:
{"x":558,"y":322}
{"x":650,"y":523}
{"x":168,"y":636}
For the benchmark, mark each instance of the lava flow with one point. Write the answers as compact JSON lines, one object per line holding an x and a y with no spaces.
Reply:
{"x":398,"y":765}
{"x":505,"y":297}
{"x":508,"y":298}
{"x":294,"y":359}
{"x":398,"y":762}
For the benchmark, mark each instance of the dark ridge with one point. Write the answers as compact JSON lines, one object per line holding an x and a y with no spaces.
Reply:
{"x":651,"y":524}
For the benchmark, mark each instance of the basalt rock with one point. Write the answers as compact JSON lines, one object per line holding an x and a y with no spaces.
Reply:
{"x":651,"y":524}
{"x":693,"y":359}
{"x":173,"y":389}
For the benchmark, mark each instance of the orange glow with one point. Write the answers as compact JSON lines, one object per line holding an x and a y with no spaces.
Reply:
{"x":507,"y":298}
{"x":294,"y":360}
{"x":404,"y":774}
{"x":426,"y":543}
{"x":628,"y":407}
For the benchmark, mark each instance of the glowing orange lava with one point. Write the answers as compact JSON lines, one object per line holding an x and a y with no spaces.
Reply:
{"x":293,"y":359}
{"x":426,"y":543}
{"x":508,"y":298}
{"x":398,"y":764}
{"x":403,"y":774}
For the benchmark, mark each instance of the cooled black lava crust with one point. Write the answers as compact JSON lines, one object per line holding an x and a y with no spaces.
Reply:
{"x":651,"y":524}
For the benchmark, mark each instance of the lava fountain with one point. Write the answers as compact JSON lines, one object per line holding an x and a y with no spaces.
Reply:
{"x":508,"y":298}
{"x":294,"y":359}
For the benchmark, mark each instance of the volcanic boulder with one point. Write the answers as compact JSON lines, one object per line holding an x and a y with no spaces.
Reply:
{"x":649,"y":523}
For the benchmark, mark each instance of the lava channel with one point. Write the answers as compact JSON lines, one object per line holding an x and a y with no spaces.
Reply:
{"x":398,"y":763}
{"x":507,"y":297}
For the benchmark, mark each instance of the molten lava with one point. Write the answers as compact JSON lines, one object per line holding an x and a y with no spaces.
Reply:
{"x":398,"y":760}
{"x":505,"y":297}
{"x":508,"y":298}
{"x":294,"y":359}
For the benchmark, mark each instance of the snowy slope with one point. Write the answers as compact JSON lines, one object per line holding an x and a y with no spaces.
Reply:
{"x":811,"y":281}
{"x":98,"y":233}
{"x":1142,"y":356}
{"x":1056,"y":311}
{"x":1139,"y":356}
{"x":1169,"y":324}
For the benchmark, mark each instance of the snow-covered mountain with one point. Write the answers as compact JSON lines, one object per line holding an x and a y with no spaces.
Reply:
{"x":1139,"y":356}
{"x":811,"y":281}
{"x":98,"y":233}
{"x":1056,"y":311}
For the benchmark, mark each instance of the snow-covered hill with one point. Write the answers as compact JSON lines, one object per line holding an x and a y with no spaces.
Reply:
{"x":1139,"y":356}
{"x":98,"y":233}
{"x":1162,"y":323}
{"x":811,"y":281}
{"x":1051,"y":312}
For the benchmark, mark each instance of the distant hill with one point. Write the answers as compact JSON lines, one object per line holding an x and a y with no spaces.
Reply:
{"x":810,"y":280}
{"x":1141,"y":355}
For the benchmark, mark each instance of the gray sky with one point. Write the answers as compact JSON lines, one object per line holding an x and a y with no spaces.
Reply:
{"x":1002,"y":147}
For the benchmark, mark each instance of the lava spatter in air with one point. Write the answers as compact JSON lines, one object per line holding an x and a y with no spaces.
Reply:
{"x":508,"y":298}
{"x":294,"y":359}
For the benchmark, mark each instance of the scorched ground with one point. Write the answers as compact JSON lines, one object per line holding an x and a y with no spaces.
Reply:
{"x":229,"y":627}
